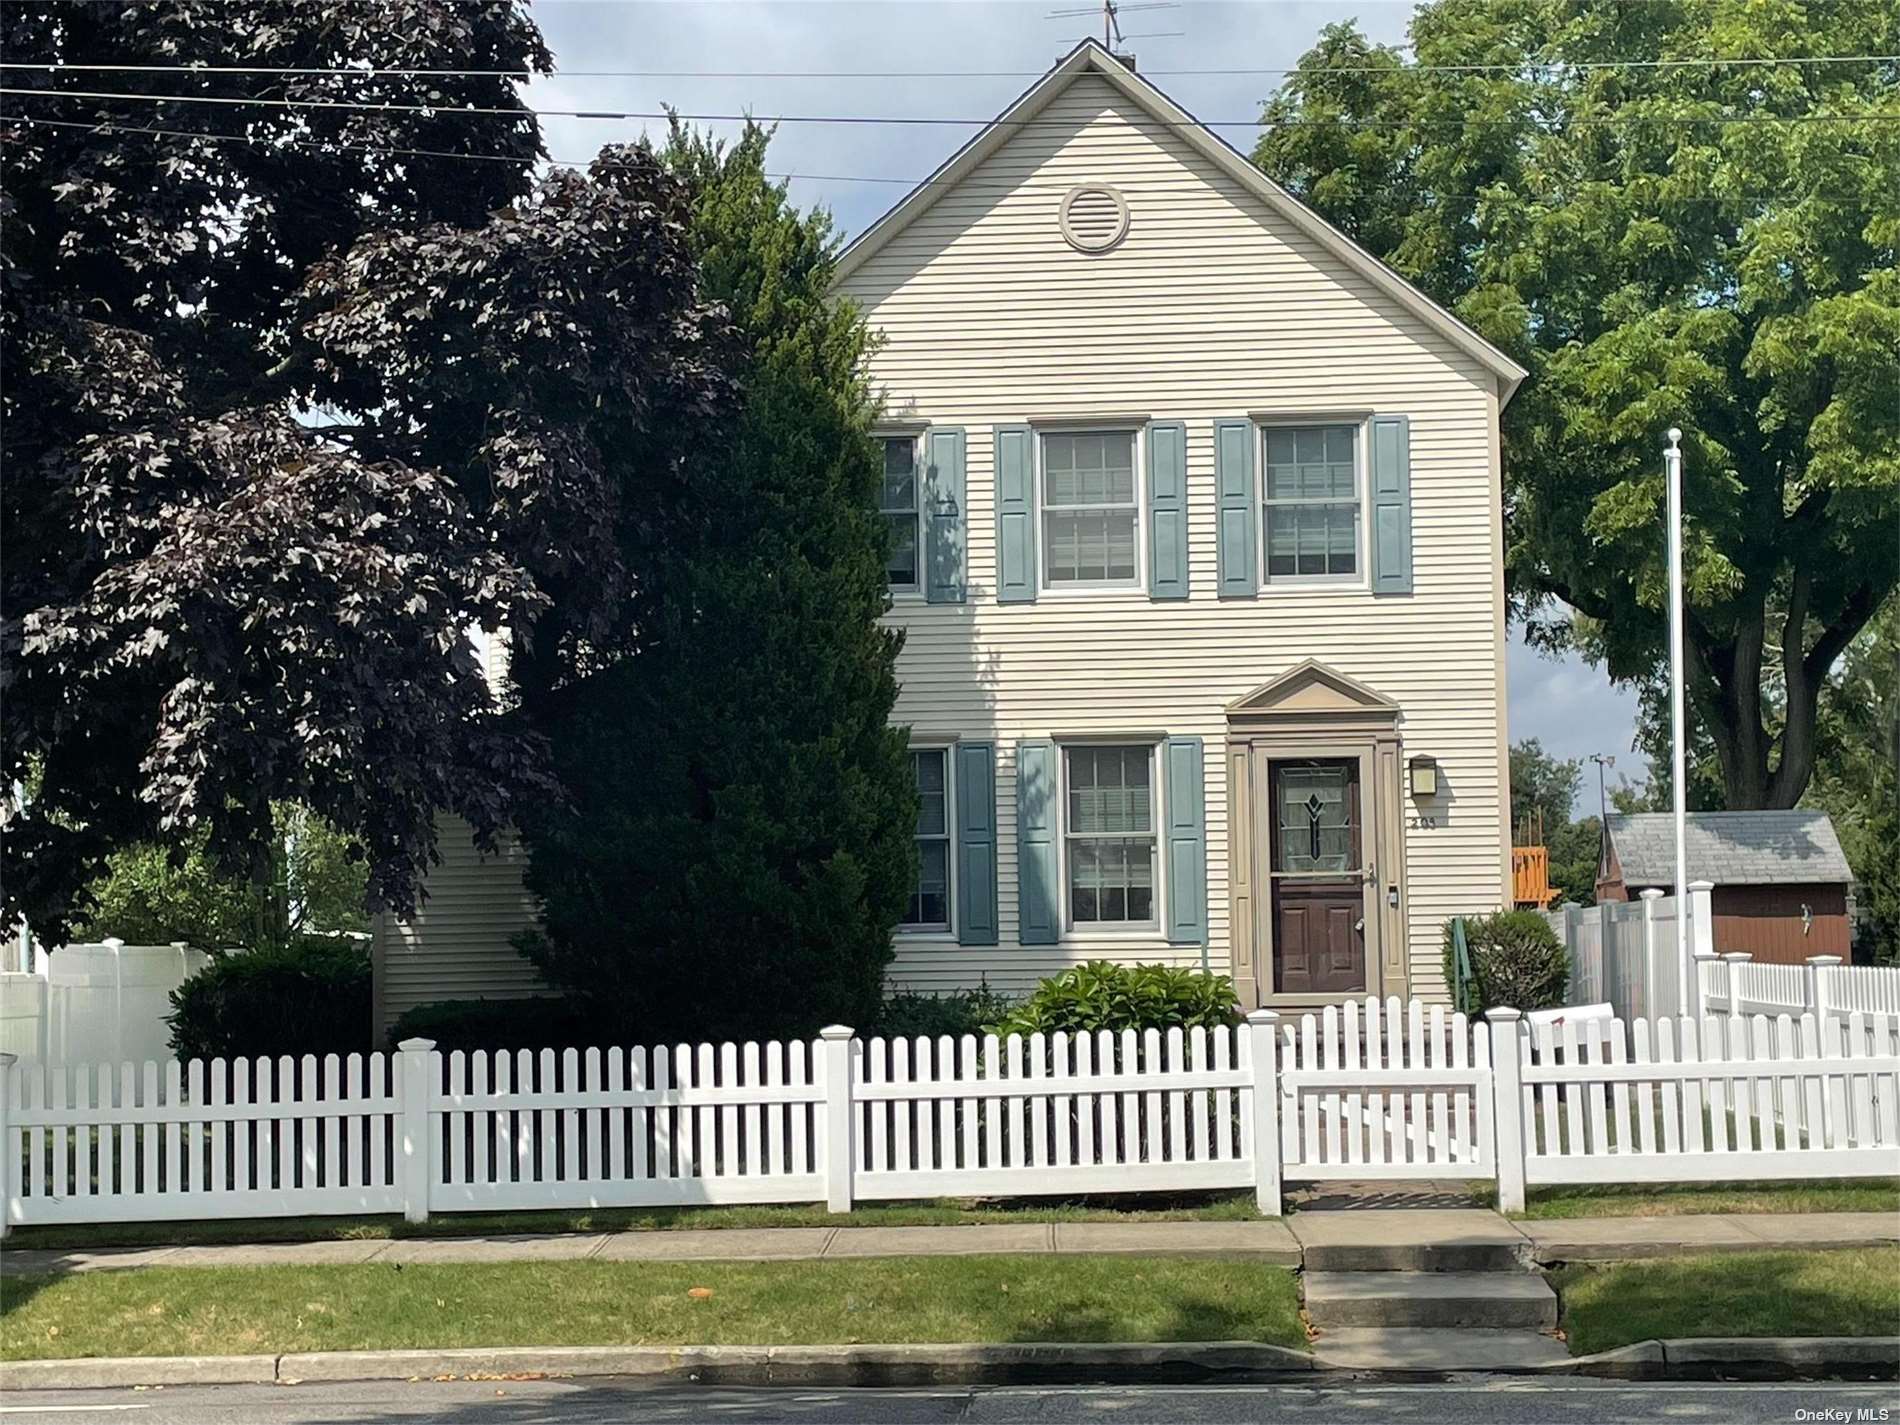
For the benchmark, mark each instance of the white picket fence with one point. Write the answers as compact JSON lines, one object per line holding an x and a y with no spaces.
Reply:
{"x":1369,"y":1091}
{"x":1823,"y":986}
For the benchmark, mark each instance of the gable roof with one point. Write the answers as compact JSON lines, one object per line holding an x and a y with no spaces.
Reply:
{"x":1311,"y":686}
{"x":1089,"y":58}
{"x":1731,"y":848}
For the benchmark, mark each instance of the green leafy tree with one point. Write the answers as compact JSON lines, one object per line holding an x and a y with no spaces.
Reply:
{"x":209,"y":605}
{"x":736,"y":843}
{"x":156,"y":893}
{"x":1543,"y":787}
{"x":1704,"y":246}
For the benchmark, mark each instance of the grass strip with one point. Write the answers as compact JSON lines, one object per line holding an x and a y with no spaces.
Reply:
{"x":894,"y":1300}
{"x":1869,"y":1195}
{"x":942,"y":1212}
{"x":1756,"y":1294}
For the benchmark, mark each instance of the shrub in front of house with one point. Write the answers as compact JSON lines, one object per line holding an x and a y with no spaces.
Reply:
{"x":1516,"y":961}
{"x":908,"y":1014}
{"x":1103,"y":995}
{"x":491,"y":1024}
{"x":311,"y":996}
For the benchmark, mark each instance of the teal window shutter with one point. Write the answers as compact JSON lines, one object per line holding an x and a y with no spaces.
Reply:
{"x":976,"y":843}
{"x":1391,"y":474}
{"x":1015,"y":515}
{"x":1038,"y":902}
{"x":1167,"y":510}
{"x":1233,"y":485}
{"x":944,"y":526}
{"x":1187,"y":843}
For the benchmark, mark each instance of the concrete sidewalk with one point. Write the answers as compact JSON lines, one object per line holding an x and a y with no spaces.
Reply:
{"x":1282,"y":1241}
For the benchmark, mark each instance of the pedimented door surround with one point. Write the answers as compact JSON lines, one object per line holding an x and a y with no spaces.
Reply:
{"x":1312,"y":712}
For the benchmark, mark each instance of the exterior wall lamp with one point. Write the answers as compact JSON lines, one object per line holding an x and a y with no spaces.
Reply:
{"x":1424,"y":774}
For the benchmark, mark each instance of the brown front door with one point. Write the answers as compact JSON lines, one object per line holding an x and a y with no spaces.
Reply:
{"x":1319,"y":928}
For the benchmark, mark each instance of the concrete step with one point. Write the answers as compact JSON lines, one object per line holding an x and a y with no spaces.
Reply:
{"x":1412,"y":1348}
{"x":1380,"y":1240}
{"x":1502,"y":1300}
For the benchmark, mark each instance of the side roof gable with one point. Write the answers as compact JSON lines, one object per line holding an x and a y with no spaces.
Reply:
{"x":1089,"y":58}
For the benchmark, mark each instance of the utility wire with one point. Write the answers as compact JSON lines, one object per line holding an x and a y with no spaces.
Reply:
{"x":369,"y":71}
{"x":1143,"y":189}
{"x":906,"y":120}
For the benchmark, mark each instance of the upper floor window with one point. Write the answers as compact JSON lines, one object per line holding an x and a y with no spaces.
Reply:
{"x":899,"y":504}
{"x":1109,"y":835}
{"x":1311,"y":515}
{"x":1091,"y":518}
{"x":929,"y":907}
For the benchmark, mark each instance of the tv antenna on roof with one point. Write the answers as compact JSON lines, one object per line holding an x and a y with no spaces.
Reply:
{"x":1111,"y":12}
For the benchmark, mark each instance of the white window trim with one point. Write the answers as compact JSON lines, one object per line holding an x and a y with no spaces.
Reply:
{"x":948,"y":929}
{"x":1095,"y":931}
{"x":1138,"y":448}
{"x":913,"y":592}
{"x":1361,"y":423}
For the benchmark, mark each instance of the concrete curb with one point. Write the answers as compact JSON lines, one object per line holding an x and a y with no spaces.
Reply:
{"x":1728,"y":1358}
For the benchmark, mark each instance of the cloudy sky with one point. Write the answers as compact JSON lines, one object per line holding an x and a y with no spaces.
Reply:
{"x":967,"y":61}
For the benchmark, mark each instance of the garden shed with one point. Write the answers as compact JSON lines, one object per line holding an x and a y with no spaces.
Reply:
{"x":1781,"y":879}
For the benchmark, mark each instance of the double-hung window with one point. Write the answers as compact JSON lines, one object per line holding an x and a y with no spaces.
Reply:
{"x":929,"y":907}
{"x":1091,"y":518}
{"x":1109,"y":835}
{"x":898,"y":503}
{"x":1311,"y":515}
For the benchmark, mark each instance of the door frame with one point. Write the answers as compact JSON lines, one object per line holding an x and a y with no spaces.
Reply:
{"x":1312,"y":711}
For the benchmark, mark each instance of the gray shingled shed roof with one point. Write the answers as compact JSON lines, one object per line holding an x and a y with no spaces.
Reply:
{"x":1731,"y":848}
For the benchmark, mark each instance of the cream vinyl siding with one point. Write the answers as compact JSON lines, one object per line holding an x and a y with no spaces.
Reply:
{"x":457,"y":947}
{"x":1211,"y":307}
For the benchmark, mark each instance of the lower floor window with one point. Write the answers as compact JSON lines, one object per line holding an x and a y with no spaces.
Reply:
{"x":930,"y":902}
{"x":1109,"y":835}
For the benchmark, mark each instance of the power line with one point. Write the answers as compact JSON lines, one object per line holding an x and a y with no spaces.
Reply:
{"x":378,"y":72}
{"x":910,"y":120}
{"x":1139,"y":189}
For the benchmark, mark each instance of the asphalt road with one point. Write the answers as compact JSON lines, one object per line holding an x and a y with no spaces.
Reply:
{"x":1477,"y":1402}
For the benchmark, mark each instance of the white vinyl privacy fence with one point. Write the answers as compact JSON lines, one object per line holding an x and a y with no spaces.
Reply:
{"x":1367,"y":1091}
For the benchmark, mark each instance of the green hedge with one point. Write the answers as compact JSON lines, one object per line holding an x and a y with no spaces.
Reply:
{"x":311,"y":997}
{"x":1517,"y":962}
{"x":1103,"y":995}
{"x":469,"y":1024}
{"x":909,"y":1014}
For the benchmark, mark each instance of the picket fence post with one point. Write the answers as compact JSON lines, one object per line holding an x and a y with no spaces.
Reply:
{"x":835,"y":1053}
{"x":1814,"y":991}
{"x":1507,"y":1084}
{"x":9,"y":1159}
{"x":1650,"y":897}
{"x":413,"y":1094}
{"x":1263,"y":1026}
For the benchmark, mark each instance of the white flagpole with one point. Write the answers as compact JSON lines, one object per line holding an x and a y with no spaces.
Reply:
{"x":1678,"y":759}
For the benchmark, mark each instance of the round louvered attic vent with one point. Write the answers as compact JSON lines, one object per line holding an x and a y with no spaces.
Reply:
{"x":1094,"y":218}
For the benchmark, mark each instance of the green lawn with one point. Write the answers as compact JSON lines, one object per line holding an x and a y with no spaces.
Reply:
{"x":249,"y":1310}
{"x":1871,"y":1195}
{"x":1771,"y":1294}
{"x":943,"y":1212}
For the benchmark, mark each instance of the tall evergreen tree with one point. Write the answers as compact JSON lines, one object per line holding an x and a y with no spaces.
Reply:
{"x":737,"y":842}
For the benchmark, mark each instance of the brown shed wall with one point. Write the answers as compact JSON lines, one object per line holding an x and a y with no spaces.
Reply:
{"x":1765,"y":921}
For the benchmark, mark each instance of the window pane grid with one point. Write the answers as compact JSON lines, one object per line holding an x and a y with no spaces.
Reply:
{"x":930,"y":900}
{"x":1090,"y":510}
{"x":1311,"y":505}
{"x":1110,"y":835}
{"x":897,"y":501}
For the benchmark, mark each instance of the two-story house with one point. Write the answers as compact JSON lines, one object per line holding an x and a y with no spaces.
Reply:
{"x":1197,"y":545}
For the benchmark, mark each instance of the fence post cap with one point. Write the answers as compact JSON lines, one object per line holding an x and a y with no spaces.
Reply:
{"x":1651,"y":894}
{"x":836,"y":1031}
{"x":1824,"y":959}
{"x":1263,"y":1016}
{"x":1738,"y":956}
{"x":181,"y":945}
{"x":113,"y":943}
{"x":416,"y":1046}
{"x":1702,"y":885}
{"x":1502,"y":1015}
{"x":1707,"y":955}
{"x":7,"y":1061}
